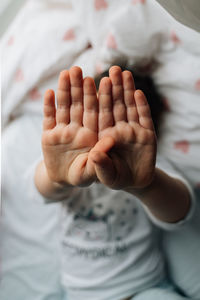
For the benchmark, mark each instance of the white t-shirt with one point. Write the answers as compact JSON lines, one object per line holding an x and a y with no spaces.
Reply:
{"x":110,"y":244}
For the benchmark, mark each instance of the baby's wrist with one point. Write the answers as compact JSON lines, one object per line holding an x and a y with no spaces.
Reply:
{"x":145,"y":188}
{"x":53,"y":178}
{"x":48,"y":187}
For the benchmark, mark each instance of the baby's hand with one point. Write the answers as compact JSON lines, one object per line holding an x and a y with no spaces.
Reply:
{"x":126,"y":129}
{"x":70,"y":130}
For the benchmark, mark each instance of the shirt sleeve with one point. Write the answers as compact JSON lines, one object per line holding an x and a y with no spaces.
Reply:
{"x":168,"y":168}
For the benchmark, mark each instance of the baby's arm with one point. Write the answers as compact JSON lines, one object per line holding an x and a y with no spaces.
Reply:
{"x":166,"y":197}
{"x":126,"y":127}
{"x":69,"y":133}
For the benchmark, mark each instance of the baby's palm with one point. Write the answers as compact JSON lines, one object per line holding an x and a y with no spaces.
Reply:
{"x":70,"y":131}
{"x":125,"y":124}
{"x":132,"y":157}
{"x":67,"y":158}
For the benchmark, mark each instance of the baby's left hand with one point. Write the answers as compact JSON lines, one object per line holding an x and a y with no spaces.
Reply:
{"x":126,"y":128}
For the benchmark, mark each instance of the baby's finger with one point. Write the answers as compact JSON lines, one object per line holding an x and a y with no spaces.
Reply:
{"x":105,"y":104}
{"x":119,"y":109}
{"x":90,"y":114}
{"x":129,"y":90}
{"x":143,"y":110}
{"x":76,"y":81}
{"x":49,"y":121}
{"x":105,"y":170}
{"x":63,"y":98}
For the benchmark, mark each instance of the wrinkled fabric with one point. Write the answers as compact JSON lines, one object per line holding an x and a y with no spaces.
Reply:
{"x":186,"y":12}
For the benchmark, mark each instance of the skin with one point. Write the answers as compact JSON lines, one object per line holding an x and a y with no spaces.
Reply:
{"x":108,"y":138}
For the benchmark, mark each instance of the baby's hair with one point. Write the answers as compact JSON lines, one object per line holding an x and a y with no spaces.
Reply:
{"x":145,"y":83}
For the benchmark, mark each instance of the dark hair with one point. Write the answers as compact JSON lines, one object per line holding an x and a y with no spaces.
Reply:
{"x":145,"y":83}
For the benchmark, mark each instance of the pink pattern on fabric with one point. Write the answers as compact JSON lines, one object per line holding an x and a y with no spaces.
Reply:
{"x":34,"y":94}
{"x":19,"y":75}
{"x":100,"y":4}
{"x":183,"y":146}
{"x":175,"y":39}
{"x":69,"y":35}
{"x":197,"y":85}
{"x":111,"y":42}
{"x":138,"y":1}
{"x":10,"y":41}
{"x":89,"y":46}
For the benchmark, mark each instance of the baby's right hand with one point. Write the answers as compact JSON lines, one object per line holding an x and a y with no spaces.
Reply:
{"x":70,"y":130}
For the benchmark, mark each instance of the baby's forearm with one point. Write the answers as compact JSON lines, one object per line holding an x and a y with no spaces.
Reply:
{"x":166,"y":197}
{"x":49,"y":189}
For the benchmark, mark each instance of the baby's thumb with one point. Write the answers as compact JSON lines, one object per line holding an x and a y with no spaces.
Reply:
{"x":105,"y":170}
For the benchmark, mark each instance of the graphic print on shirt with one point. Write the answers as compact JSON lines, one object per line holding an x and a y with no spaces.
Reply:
{"x":107,"y":219}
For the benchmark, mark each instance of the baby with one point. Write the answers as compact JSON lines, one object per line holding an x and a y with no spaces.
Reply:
{"x":100,"y":158}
